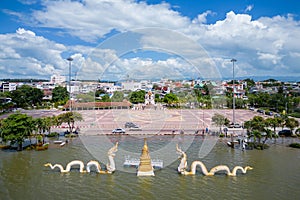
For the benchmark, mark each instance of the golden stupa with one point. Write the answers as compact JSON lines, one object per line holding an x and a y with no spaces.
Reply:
{"x":145,"y":166}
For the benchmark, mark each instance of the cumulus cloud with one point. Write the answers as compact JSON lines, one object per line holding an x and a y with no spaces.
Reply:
{"x":267,"y":45}
{"x":98,"y":18}
{"x":201,"y":18}
{"x":25,"y":54}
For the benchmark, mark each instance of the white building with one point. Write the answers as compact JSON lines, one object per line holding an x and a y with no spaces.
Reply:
{"x":57,"y":79}
{"x":131,"y":85}
{"x":7,"y":87}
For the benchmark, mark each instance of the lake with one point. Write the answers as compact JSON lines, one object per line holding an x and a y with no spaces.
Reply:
{"x":275,"y":173}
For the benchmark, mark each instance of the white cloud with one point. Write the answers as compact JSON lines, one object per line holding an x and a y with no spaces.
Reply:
{"x":98,"y":18}
{"x":259,"y":45}
{"x":201,"y":18}
{"x":25,"y":54}
{"x":249,"y":8}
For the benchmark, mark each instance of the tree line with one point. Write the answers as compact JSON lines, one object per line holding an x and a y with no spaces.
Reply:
{"x":260,"y":129}
{"x":17,"y":127}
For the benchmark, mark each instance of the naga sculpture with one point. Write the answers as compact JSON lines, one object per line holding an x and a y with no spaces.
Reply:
{"x":110,"y":168}
{"x":183,"y":166}
{"x":69,"y":165}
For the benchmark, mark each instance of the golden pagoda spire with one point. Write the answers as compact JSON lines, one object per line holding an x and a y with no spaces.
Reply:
{"x":145,"y":166}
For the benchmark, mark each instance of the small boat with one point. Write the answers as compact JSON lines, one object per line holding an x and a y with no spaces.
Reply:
{"x":58,"y":141}
{"x":62,"y":144}
{"x":232,"y":143}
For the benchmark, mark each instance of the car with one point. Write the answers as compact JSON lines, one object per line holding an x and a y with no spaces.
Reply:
{"x":130,"y":125}
{"x":136,"y":128}
{"x":260,"y":111}
{"x":277,"y":115}
{"x":251,"y":108}
{"x":270,"y":113}
{"x":285,"y":132}
{"x":118,"y":130}
{"x":236,"y":125}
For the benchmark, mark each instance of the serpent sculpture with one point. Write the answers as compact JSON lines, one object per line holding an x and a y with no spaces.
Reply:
{"x":183,"y":166}
{"x":68,"y":167}
{"x":110,"y":168}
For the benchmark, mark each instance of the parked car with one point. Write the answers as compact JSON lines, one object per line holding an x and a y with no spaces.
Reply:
{"x":285,"y":132}
{"x":118,"y":130}
{"x":260,"y":111}
{"x":136,"y":128}
{"x":270,"y":113}
{"x":130,"y":125}
{"x":277,"y":115}
{"x":251,"y":108}
{"x":236,"y":125}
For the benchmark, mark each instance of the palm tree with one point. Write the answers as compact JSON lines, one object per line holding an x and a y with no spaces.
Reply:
{"x":255,"y":127}
{"x":274,"y":123}
{"x":219,"y":120}
{"x":70,"y":118}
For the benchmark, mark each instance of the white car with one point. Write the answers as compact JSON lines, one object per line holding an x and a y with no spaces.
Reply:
{"x":118,"y":130}
{"x":135,"y":128}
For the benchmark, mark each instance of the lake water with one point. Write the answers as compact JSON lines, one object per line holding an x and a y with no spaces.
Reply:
{"x":275,"y":174}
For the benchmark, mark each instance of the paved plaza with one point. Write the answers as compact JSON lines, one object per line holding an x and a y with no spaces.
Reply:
{"x":97,"y":122}
{"x":150,"y":121}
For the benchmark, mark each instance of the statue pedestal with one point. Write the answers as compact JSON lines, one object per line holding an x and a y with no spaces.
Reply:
{"x":150,"y":173}
{"x":145,"y":166}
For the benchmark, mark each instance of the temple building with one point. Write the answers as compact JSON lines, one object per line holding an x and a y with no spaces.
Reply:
{"x":149,"y":98}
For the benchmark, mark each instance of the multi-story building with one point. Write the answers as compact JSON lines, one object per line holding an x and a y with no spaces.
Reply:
{"x":57,"y":79}
{"x":7,"y":87}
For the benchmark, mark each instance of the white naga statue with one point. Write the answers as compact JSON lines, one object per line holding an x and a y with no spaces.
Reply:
{"x":182,"y":168}
{"x":110,"y":167}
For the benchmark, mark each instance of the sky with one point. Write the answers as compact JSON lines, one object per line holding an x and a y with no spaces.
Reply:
{"x":150,"y":39}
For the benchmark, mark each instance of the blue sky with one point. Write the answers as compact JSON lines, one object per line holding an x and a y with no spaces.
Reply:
{"x":149,"y":39}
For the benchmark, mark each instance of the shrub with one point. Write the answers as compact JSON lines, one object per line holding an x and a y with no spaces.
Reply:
{"x":53,"y":134}
{"x":295,"y":145}
{"x":295,"y":114}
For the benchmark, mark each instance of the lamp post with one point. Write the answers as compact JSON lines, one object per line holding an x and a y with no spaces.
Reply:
{"x":233,"y":89}
{"x":70,"y":66}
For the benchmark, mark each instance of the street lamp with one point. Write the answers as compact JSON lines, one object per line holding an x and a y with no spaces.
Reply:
{"x":70,"y":66}
{"x":233,"y":89}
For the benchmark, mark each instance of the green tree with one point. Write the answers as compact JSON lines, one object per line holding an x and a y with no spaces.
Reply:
{"x":70,"y":118}
{"x":273,"y":122}
{"x":118,"y":96}
{"x":291,"y":123}
{"x":100,"y":92}
{"x":219,"y":120}
{"x":16,"y":127}
{"x":60,"y":94}
{"x":27,"y":96}
{"x":170,"y":98}
{"x":250,"y":82}
{"x":44,"y":124}
{"x":257,"y":128}
{"x":86,"y":97}
{"x":137,"y":96}
{"x":105,"y":98}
